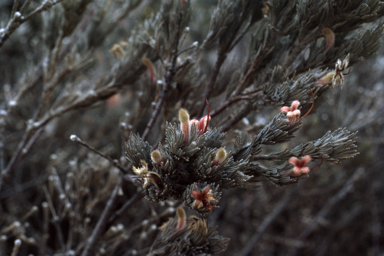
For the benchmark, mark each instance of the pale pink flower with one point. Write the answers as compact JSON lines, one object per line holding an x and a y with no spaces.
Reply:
{"x":300,"y":167}
{"x":293,"y":113}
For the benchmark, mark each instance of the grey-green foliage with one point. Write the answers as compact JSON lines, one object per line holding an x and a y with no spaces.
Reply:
{"x":333,"y":147}
{"x":193,"y":163}
{"x":196,"y":238}
{"x":185,"y":164}
{"x":286,"y":45}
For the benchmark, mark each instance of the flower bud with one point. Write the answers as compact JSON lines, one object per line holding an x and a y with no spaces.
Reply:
{"x":329,"y":37}
{"x":181,"y":218}
{"x":184,"y":124}
{"x":156,"y":156}
{"x":220,"y":156}
{"x":151,"y":68}
{"x":328,"y":78}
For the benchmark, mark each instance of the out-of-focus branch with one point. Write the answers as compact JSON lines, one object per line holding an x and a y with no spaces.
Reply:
{"x":269,"y":219}
{"x":348,"y":187}
{"x":17,"y":18}
{"x":113,"y":162}
{"x":102,"y":223}
{"x":219,"y":62}
{"x":134,"y":199}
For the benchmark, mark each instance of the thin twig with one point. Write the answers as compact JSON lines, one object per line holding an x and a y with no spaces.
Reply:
{"x":168,"y":80}
{"x":102,"y":223}
{"x":345,"y":220}
{"x":269,"y":219}
{"x":55,"y":218}
{"x":265,"y":51}
{"x":313,"y":103}
{"x":228,"y":103}
{"x":14,"y":7}
{"x":134,"y":199}
{"x":113,"y":162}
{"x":16,"y":154}
{"x":31,"y":141}
{"x":1,"y":157}
{"x":215,"y":72}
{"x":165,"y":213}
{"x":17,"y":19}
{"x":25,"y":6}
{"x":16,"y":247}
{"x":22,"y":149}
{"x":237,"y":118}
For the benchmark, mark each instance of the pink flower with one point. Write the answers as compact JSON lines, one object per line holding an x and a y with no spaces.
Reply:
{"x":293,"y":113}
{"x":202,"y":124}
{"x":300,"y":167}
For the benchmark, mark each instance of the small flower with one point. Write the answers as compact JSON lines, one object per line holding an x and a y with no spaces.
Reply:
{"x":336,"y":76}
{"x":203,"y":199}
{"x":142,"y":170}
{"x":329,"y":37}
{"x":300,"y":167}
{"x":148,"y":176}
{"x":293,"y":113}
{"x":117,"y":50}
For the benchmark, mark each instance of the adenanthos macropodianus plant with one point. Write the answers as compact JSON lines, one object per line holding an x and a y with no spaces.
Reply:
{"x":152,"y":66}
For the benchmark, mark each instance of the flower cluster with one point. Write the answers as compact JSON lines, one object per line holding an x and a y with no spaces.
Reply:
{"x":194,"y":167}
{"x":293,"y":113}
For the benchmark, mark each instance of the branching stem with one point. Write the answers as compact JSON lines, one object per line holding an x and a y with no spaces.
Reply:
{"x":168,"y":80}
{"x":113,"y":162}
{"x":215,"y":72}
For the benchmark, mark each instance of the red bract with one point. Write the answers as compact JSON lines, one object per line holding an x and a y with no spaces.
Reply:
{"x":202,"y":125}
{"x":203,"y":199}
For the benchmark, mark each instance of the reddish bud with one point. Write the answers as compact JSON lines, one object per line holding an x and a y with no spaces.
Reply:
{"x":181,"y":218}
{"x":329,"y":37}
{"x":156,"y":157}
{"x":151,"y":68}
